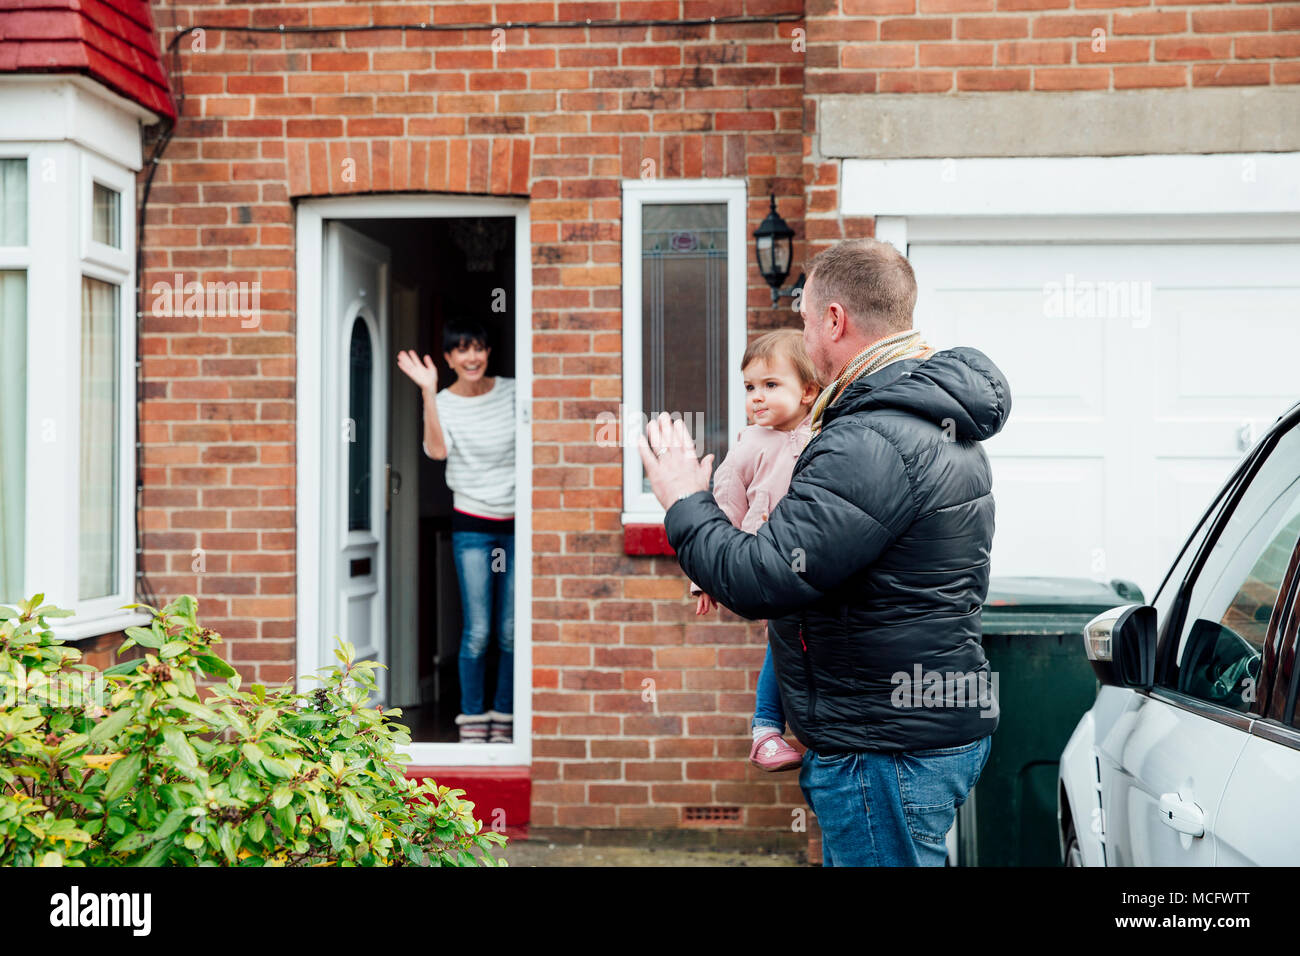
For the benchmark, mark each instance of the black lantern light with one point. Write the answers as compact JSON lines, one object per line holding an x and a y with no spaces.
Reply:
{"x":772,"y":248}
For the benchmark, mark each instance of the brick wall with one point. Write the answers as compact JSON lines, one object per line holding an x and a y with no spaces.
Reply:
{"x":560,"y":116}
{"x":942,"y":46}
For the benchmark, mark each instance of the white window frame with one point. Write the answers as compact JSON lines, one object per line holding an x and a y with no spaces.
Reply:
{"x":84,"y":134}
{"x":642,"y":506}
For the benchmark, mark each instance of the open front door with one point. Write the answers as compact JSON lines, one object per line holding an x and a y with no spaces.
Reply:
{"x":354,"y":446}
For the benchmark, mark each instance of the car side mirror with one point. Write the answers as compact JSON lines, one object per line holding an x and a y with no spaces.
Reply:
{"x":1121,"y":645}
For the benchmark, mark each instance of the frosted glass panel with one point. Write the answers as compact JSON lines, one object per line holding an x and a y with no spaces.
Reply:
{"x":684,"y":318}
{"x":13,"y":202}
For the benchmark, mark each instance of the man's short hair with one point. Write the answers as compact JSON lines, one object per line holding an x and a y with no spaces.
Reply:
{"x":871,"y":279}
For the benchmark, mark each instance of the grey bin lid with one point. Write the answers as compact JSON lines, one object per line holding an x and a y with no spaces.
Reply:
{"x":1048,"y":605}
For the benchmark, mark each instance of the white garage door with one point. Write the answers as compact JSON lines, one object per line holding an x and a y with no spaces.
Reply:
{"x":1140,"y":374}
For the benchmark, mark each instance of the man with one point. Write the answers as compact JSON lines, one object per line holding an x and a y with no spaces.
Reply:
{"x":874,"y":566}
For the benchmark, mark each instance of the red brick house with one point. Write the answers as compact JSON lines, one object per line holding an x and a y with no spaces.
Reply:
{"x":322,"y":184}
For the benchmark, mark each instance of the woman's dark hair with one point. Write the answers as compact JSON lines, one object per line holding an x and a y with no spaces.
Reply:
{"x":462,"y":331}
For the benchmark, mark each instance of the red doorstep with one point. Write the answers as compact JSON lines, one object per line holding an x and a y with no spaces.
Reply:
{"x":502,"y":796}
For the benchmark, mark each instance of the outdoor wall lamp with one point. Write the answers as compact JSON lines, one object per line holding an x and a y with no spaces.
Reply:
{"x":772,"y":248}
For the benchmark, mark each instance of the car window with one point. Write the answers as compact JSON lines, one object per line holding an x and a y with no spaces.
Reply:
{"x":1221,"y":643}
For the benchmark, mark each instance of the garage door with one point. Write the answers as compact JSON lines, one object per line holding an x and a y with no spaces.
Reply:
{"x":1140,"y":374}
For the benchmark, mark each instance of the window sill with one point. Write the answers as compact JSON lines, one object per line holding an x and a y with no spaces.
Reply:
{"x":643,"y":517}
{"x":71,"y":629}
{"x":645,"y":535}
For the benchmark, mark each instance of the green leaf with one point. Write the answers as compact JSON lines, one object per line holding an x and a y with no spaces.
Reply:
{"x":123,"y":776}
{"x":171,"y":823}
{"x":214,"y":666}
{"x":256,"y":828}
{"x":186,"y":607}
{"x":197,"y":710}
{"x":111,"y":725}
{"x":173,"y":649}
{"x":253,"y":752}
{"x":157,"y":853}
{"x":132,"y":841}
{"x":184,"y":679}
{"x":123,"y":669}
{"x":193,"y":841}
{"x":146,"y":636}
{"x":179,"y":746}
{"x":281,"y":797}
{"x":354,"y":807}
{"x":264,"y":720}
{"x":226,"y":840}
{"x":277,"y":767}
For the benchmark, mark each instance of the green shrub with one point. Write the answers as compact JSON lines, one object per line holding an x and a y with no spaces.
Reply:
{"x":131,"y":767}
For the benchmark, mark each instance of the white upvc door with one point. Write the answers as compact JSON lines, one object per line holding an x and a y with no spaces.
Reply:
{"x":1131,"y":401}
{"x":354,"y":447}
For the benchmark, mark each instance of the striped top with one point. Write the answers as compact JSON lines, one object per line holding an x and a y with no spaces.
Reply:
{"x":480,"y":435}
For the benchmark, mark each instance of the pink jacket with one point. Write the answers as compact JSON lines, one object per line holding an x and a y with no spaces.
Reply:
{"x":756,"y":473}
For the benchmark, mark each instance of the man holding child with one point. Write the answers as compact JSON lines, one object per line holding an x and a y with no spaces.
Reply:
{"x":873,"y":567}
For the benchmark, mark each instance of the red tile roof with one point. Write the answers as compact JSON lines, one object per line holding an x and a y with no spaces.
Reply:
{"x":112,"y":42}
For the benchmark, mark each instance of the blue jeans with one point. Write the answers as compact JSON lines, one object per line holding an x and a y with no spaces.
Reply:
{"x":768,"y":711}
{"x":890,"y":809}
{"x":485,"y":565}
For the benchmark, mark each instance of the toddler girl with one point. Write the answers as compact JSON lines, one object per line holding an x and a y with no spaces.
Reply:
{"x":780,"y":387}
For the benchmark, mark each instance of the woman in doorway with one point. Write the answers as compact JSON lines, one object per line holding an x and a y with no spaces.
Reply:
{"x":471,"y":425}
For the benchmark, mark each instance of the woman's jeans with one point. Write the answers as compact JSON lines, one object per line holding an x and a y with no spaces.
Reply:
{"x":767,"y":700}
{"x":485,"y":565}
{"x":879,"y":808}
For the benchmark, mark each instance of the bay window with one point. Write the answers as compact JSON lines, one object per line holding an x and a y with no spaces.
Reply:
{"x":67,"y":351}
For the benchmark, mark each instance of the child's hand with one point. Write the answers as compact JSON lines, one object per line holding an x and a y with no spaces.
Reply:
{"x":704,"y":604}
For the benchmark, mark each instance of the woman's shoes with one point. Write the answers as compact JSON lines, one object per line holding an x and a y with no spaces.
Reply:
{"x":489,"y":728}
{"x":473,"y":728}
{"x":501,"y":728}
{"x":771,"y":752}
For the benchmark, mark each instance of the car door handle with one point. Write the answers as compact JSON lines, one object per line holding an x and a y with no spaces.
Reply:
{"x":1183,"y":815}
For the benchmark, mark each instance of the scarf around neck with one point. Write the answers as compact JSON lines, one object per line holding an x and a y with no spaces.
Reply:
{"x":873,"y":358}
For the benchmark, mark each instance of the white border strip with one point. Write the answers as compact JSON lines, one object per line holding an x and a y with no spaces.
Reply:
{"x":1224,"y":183}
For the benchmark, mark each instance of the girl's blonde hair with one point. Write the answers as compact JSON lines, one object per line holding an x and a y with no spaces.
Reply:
{"x":787,"y":342}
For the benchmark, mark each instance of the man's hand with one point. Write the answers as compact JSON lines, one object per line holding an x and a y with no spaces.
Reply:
{"x":704,"y":604}
{"x":668,"y":454}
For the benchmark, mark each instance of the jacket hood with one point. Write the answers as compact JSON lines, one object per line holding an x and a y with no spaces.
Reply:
{"x":960,"y":385}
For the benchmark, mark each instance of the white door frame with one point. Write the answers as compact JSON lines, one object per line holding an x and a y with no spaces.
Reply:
{"x":311,"y":215}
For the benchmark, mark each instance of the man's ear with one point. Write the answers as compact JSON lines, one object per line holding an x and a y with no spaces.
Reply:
{"x":839,"y":320}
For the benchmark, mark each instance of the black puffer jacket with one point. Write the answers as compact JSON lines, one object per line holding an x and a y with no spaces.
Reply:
{"x":873,"y":568}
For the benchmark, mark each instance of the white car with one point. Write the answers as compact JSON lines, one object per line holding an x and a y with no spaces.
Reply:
{"x":1191,"y":754}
